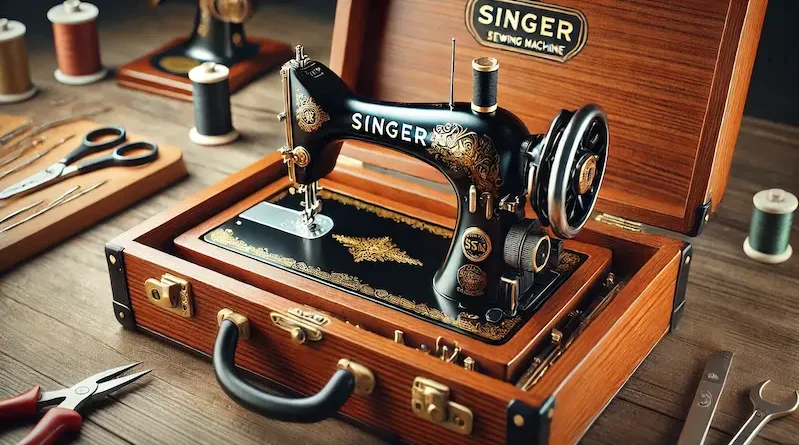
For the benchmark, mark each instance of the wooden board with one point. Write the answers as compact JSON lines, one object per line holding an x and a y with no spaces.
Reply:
{"x":140,"y":74}
{"x":674,"y":93}
{"x":124,"y":186}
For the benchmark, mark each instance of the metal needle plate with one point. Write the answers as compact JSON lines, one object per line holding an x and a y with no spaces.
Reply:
{"x":287,"y":220}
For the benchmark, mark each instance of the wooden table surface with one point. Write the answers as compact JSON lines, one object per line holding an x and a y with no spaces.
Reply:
{"x":57,"y":325}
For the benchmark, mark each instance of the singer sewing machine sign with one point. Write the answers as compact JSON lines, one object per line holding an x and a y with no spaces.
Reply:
{"x":537,"y":29}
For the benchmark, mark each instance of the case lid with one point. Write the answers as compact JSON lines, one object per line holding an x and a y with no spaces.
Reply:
{"x":672,"y":77}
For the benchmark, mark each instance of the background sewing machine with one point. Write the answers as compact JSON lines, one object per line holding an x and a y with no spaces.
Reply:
{"x":218,"y":36}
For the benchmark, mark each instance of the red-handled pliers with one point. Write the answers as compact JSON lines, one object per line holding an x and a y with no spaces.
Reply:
{"x":65,"y":416}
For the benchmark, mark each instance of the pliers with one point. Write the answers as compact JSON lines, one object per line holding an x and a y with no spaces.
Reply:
{"x":65,"y":417}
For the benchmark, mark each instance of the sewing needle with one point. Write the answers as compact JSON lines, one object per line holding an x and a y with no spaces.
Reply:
{"x":55,"y":203}
{"x":22,"y":210}
{"x":36,"y":156}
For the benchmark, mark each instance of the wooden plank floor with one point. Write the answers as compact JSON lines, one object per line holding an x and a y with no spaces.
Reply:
{"x":57,"y":326}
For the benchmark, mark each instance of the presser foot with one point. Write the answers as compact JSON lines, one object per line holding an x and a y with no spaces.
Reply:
{"x":290,"y":221}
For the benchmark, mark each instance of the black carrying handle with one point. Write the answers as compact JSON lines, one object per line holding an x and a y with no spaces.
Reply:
{"x":319,"y":406}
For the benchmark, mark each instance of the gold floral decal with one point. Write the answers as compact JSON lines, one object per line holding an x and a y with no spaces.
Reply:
{"x":375,"y":249}
{"x":465,"y":152}
{"x":310,"y":116}
{"x":465,"y":321}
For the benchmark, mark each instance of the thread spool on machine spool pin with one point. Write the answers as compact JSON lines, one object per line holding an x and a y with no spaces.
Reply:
{"x":15,"y":78}
{"x":76,"y":43}
{"x":211,"y":96}
{"x":769,"y":233}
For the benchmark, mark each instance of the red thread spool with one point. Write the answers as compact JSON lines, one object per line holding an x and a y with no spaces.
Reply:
{"x":77,"y":45}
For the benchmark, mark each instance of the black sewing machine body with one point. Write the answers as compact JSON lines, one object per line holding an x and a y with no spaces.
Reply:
{"x":487,"y":154}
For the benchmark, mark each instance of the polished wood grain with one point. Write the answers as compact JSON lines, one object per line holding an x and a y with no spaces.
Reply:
{"x":673,"y":92}
{"x":635,"y":319}
{"x":140,"y":74}
{"x":123,"y":187}
{"x":58,"y":327}
{"x":504,"y":361}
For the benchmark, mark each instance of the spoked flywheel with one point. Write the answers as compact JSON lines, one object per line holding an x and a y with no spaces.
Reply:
{"x":572,"y":165}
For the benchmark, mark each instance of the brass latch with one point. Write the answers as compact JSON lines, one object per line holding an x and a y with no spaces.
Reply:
{"x":430,"y":401}
{"x":302,"y":324}
{"x":170,"y":293}
{"x":621,"y":223}
{"x":364,"y":378}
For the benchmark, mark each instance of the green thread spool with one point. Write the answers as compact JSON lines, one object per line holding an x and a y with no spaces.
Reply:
{"x":770,"y":229}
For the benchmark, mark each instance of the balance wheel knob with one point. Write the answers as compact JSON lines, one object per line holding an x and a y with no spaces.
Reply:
{"x":526,"y":247}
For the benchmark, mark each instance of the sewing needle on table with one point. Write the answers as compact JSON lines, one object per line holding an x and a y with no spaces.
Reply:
{"x":15,"y":132}
{"x":50,"y":206}
{"x":22,"y":210}
{"x":36,"y":156}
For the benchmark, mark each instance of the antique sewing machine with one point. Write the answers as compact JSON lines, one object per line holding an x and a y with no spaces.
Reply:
{"x":430,"y":269}
{"x":497,"y":255}
{"x":217,"y":36}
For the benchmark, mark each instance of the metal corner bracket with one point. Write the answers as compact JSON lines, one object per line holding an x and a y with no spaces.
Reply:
{"x":686,"y":257}
{"x":702,"y":217}
{"x":526,"y":425}
{"x":123,"y":310}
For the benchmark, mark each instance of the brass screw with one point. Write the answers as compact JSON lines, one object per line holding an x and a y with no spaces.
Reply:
{"x":687,"y":260}
{"x":121,"y":314}
{"x":112,"y":259}
{"x":518,"y":420}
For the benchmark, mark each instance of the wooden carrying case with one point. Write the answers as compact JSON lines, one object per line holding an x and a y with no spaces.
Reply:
{"x":673,"y":79}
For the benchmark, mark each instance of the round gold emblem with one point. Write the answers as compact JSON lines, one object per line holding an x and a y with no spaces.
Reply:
{"x":587,"y":175}
{"x":178,"y":64}
{"x":471,"y":280}
{"x":476,"y":244}
{"x":301,"y":156}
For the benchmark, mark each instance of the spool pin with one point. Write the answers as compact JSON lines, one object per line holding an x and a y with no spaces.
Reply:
{"x":211,"y":95}
{"x":15,"y":76}
{"x":77,"y":44}
{"x":770,"y":229}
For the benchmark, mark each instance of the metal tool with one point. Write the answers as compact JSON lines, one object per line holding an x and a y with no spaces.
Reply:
{"x":764,"y":413}
{"x":61,"y":200}
{"x":564,"y":335}
{"x":14,"y":132}
{"x":65,"y":417}
{"x":706,"y":399}
{"x":36,"y":156}
{"x":63,"y":169}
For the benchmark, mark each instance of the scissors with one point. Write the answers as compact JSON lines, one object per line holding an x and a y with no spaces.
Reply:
{"x":63,"y":169}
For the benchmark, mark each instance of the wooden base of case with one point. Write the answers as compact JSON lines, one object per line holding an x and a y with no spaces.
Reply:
{"x":142,"y":74}
{"x":558,"y":409}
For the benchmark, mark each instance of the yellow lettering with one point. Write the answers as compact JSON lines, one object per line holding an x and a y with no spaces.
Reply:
{"x":565,"y":30}
{"x":546,"y":26}
{"x":528,"y":23}
{"x":485,"y":14}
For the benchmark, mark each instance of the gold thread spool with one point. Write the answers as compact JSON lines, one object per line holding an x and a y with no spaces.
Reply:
{"x":76,"y":43}
{"x":15,"y":77}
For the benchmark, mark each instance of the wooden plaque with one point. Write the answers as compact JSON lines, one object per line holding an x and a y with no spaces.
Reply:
{"x":140,"y":74}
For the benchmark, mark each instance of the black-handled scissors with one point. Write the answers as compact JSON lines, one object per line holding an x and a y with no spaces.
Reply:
{"x":92,"y":143}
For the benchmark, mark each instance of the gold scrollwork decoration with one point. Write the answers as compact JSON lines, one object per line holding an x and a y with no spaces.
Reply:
{"x":466,"y":152}
{"x":378,"y":249}
{"x":464,"y":321}
{"x":310,"y":116}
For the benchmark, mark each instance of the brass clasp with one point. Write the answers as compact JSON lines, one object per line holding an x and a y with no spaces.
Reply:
{"x":170,"y":293}
{"x":430,"y":401}
{"x":302,"y":324}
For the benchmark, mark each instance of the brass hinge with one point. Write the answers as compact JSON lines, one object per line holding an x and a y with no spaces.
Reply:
{"x":622,"y":223}
{"x":302,"y":324}
{"x":170,"y":293}
{"x":430,"y":401}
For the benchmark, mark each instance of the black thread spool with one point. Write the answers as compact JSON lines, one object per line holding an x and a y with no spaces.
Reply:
{"x":211,"y":94}
{"x":485,"y":76}
{"x":770,"y":229}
